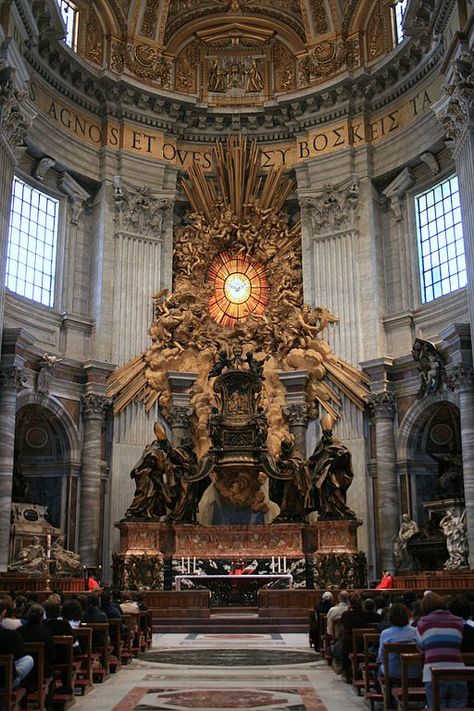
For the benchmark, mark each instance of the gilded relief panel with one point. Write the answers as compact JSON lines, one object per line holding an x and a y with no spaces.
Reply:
{"x":186,"y":69}
{"x":329,"y":58}
{"x":284,"y":68}
{"x":235,"y":76}
{"x":379,"y":33}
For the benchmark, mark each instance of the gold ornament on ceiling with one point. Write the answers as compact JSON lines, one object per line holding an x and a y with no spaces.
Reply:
{"x":238,"y":248}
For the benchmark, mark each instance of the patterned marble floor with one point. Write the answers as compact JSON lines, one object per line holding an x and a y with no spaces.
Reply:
{"x":296,"y":682}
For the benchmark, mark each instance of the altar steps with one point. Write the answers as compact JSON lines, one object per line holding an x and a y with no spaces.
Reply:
{"x":231,"y":621}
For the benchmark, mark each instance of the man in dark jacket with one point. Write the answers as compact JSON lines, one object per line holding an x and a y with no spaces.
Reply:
{"x":35,"y":631}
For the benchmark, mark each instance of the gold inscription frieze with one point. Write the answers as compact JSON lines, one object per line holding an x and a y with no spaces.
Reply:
{"x":157,"y":145}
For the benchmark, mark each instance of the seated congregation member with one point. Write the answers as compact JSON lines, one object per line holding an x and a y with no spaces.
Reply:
{"x":95,"y":614}
{"x":372,"y":615}
{"x":439,"y":635}
{"x":128,"y":606}
{"x":400,"y":630}
{"x":35,"y":631}
{"x":322,"y":607}
{"x":354,"y":618}
{"x":336,"y":612}
{"x":72,"y":612}
{"x":54,"y":620}
{"x":9,"y":620}
{"x":460,"y":606}
{"x":11,"y":642}
{"x":111,"y":610}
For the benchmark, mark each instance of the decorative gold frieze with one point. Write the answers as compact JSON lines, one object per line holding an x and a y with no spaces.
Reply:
{"x":186,"y":69}
{"x":143,"y":61}
{"x":328,"y":58}
{"x":94,"y":49}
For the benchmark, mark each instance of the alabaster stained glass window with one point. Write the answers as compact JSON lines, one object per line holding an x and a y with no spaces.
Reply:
{"x":31,"y":258}
{"x":240,"y":288}
{"x":440,"y":240}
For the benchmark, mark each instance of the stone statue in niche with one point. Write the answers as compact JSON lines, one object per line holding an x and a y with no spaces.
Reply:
{"x":330,"y":467}
{"x":454,"y":528}
{"x":289,"y":488}
{"x":430,"y":366}
{"x":151,"y":474}
{"x":66,"y":561}
{"x":31,"y":559}
{"x":408,"y":529}
{"x":183,"y":489}
{"x":217,"y":78}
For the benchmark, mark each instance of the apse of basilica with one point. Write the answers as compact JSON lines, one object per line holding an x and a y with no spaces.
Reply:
{"x":236,"y":250}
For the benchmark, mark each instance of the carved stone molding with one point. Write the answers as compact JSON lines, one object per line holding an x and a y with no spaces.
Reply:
{"x":335,"y":207}
{"x":297,"y":414}
{"x":76,"y":194}
{"x":138,"y":211}
{"x":382,"y":405}
{"x":455,"y":108}
{"x":95,"y":407}
{"x":14,"y":121}
{"x":459,"y":377}
{"x":395,"y":192}
{"x":12,"y":379}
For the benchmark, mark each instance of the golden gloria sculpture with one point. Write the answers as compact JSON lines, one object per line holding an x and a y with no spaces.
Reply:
{"x":237,"y":283}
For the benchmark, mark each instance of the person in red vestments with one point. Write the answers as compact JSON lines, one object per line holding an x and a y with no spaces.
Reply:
{"x":386,"y":582}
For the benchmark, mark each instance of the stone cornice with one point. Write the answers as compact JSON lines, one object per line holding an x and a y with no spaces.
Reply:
{"x":102,"y":94}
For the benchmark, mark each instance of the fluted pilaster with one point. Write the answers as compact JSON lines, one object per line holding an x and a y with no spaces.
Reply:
{"x":382,"y":408}
{"x":460,"y":378}
{"x":94,"y":410}
{"x":11,"y":380}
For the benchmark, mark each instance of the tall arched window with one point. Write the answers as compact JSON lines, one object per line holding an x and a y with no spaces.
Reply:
{"x":70,"y":15}
{"x":32,"y":243}
{"x":440,"y":240}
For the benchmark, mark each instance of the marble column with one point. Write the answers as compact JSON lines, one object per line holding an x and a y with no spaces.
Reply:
{"x":297,"y":417}
{"x":94,"y":408}
{"x":460,"y":379}
{"x":11,"y":380}
{"x":382,"y":408}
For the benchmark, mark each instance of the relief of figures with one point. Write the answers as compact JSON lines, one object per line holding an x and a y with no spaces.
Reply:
{"x":232,"y":73}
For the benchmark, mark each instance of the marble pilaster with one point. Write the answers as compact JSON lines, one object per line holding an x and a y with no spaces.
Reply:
{"x":15,"y":120}
{"x":455,"y":111}
{"x":382,"y":408}
{"x":11,"y":380}
{"x":179,"y":420}
{"x":94,"y":408}
{"x":460,"y":378}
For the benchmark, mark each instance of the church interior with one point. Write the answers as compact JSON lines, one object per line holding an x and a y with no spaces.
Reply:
{"x":236,"y":243}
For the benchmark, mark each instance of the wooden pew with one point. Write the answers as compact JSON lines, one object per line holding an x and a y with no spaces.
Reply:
{"x":83,"y":681}
{"x":116,"y":644}
{"x":39,"y":688}
{"x":411,"y":690}
{"x":65,"y":670}
{"x":369,"y":669}
{"x":10,"y":697}
{"x":440,"y":674}
{"x":100,"y":647}
{"x":387,"y":682}
{"x":357,"y":656}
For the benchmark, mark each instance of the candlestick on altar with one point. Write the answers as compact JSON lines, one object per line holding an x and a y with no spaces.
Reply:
{"x":273,"y":563}
{"x":194,"y":564}
{"x":182,"y":565}
{"x":48,"y":545}
{"x":189,"y":565}
{"x":284,"y":563}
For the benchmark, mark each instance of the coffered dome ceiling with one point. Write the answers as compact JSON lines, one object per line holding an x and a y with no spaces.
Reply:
{"x":233,"y":52}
